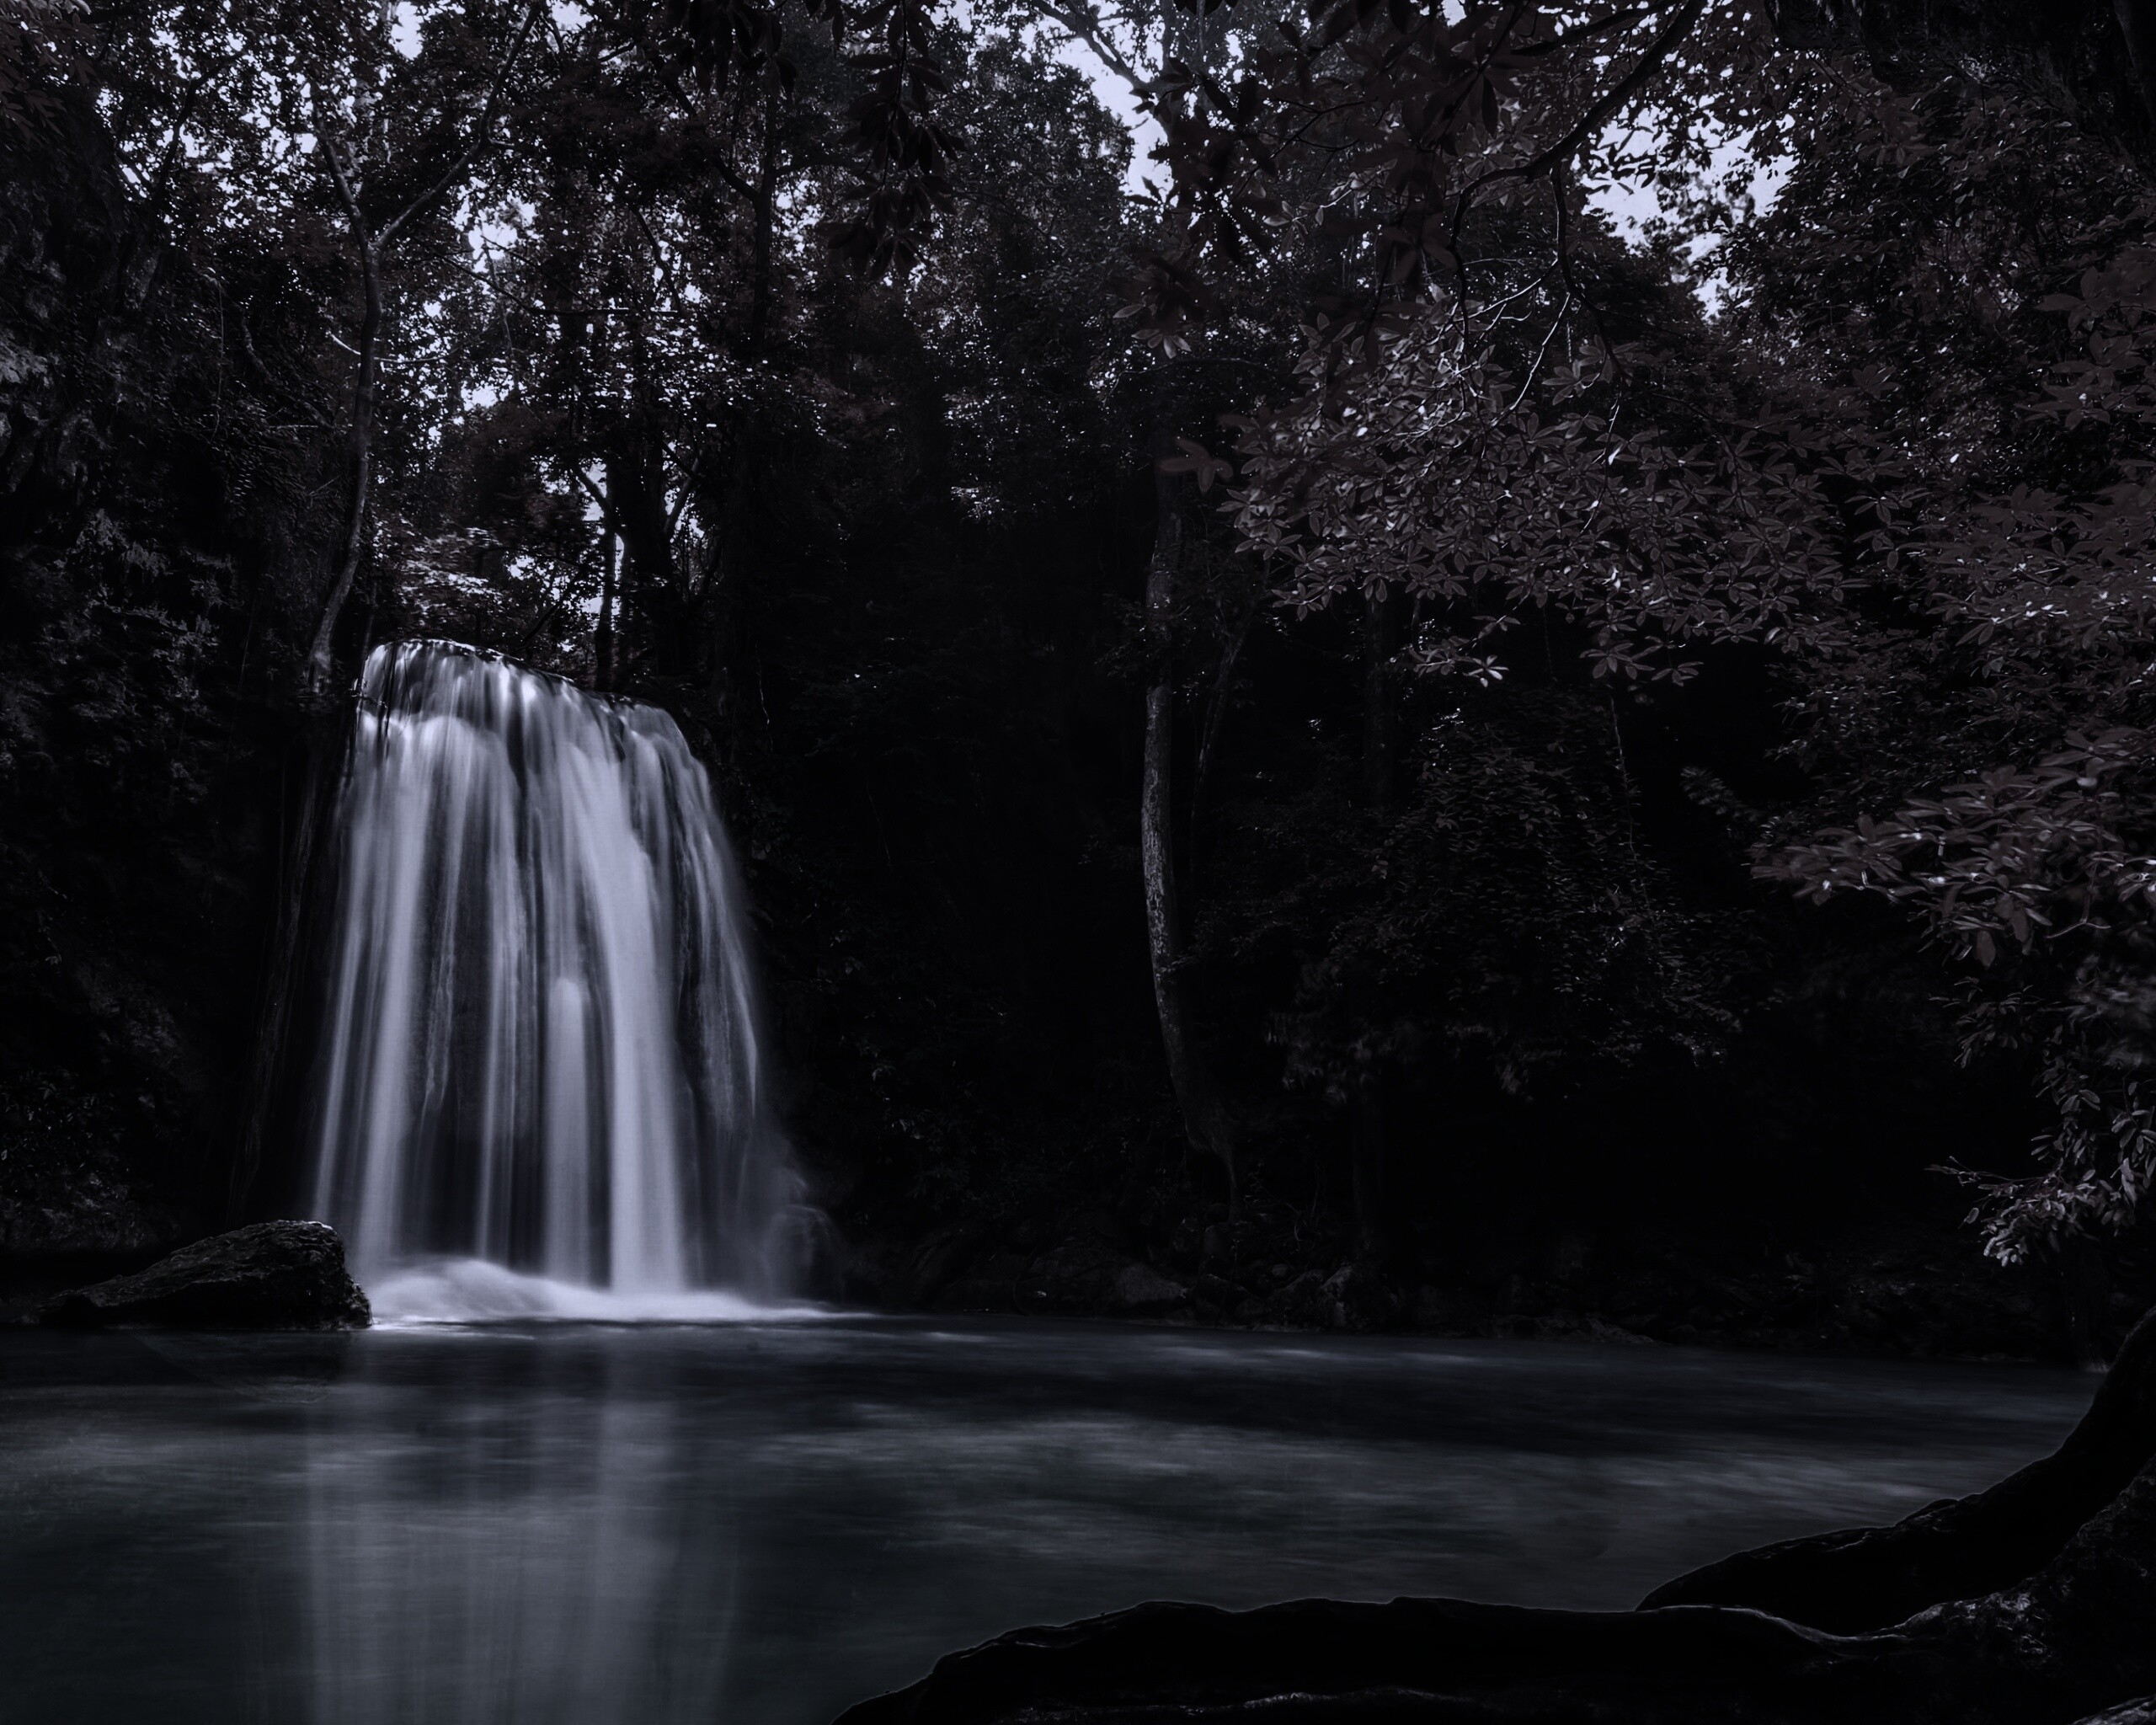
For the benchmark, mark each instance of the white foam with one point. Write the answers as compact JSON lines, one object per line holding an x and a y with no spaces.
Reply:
{"x":469,"y":1291}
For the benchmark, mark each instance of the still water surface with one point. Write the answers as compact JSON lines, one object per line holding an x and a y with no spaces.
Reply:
{"x":758,"y":1524}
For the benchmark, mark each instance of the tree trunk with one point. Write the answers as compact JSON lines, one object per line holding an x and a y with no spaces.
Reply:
{"x":1380,"y":719}
{"x":1372,"y":1166}
{"x":767,"y":207}
{"x":360,"y":453}
{"x":1204,"y":1119}
{"x":602,"y":636}
{"x":1216,"y":713}
{"x":723,"y":606}
{"x":1371,"y":1153}
{"x":649,"y":608}
{"x":724,"y":611}
{"x":267,"y":1100}
{"x":1873,"y":1577}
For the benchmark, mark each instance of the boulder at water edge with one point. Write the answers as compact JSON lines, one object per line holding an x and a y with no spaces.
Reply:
{"x":267,"y":1276}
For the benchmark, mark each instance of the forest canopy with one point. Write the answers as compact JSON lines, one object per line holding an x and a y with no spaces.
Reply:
{"x":1321,"y":621}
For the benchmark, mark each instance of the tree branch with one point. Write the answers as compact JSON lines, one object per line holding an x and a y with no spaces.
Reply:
{"x":450,"y":175}
{"x":1587,"y":32}
{"x":726,"y":172}
{"x":605,"y":509}
{"x":1085,"y":26}
{"x":1596,"y":117}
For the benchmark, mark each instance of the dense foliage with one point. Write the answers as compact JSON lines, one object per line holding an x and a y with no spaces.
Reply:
{"x":1902,"y":461}
{"x":1559,"y":595}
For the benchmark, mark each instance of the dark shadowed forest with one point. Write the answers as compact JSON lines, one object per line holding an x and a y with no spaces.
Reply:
{"x":1493,"y":677}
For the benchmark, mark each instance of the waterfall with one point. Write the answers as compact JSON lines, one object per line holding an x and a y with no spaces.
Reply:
{"x":540,"y":1039}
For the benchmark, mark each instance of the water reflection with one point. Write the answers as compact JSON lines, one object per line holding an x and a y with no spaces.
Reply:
{"x":299,"y":1367}
{"x":539,"y":1557}
{"x":579,"y":1525}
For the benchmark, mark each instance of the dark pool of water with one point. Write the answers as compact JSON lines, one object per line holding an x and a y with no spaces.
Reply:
{"x":758,"y":1525}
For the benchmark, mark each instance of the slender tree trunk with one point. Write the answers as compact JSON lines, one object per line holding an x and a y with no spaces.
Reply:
{"x":1370,"y":1154}
{"x":369,"y":131}
{"x":767,"y":201}
{"x":280,"y":980}
{"x":723,"y":608}
{"x":602,"y":637}
{"x":1380,"y":717}
{"x":359,"y":450}
{"x":652,"y":610}
{"x":268,"y":1099}
{"x":1204,"y":1119}
{"x":1371,"y":1159}
{"x":648,"y":607}
{"x":1216,"y":712}
{"x":724,"y":611}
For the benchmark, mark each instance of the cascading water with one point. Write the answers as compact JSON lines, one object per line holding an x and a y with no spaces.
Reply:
{"x":540,"y":1042}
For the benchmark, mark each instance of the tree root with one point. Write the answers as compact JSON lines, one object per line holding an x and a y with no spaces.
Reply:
{"x":1872,"y":1577}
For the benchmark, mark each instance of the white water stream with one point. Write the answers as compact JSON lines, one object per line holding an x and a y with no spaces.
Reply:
{"x":542,"y":1074}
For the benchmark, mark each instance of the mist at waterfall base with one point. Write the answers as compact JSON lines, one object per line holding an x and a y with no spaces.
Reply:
{"x":541,"y":1087}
